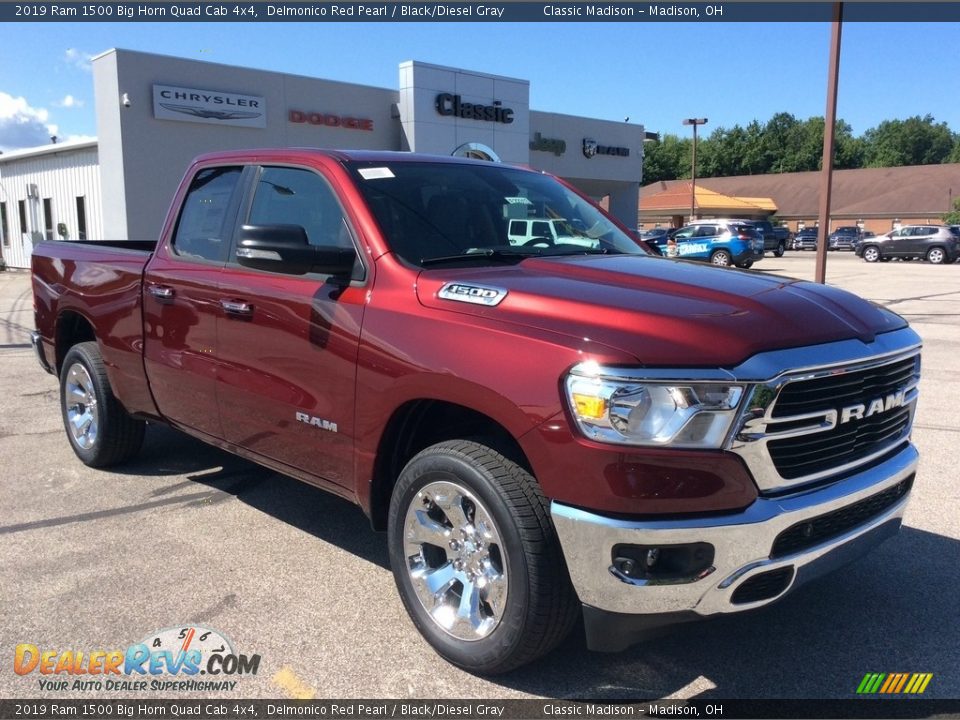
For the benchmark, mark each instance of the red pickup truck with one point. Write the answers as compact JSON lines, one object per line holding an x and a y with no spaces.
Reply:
{"x":544,"y":428}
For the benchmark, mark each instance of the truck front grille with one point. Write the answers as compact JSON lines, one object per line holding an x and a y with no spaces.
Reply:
{"x":804,"y":396}
{"x":810,"y":533}
{"x":849,"y":441}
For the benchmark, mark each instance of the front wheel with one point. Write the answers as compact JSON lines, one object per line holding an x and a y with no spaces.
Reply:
{"x":721,"y":258}
{"x":936,"y":255}
{"x":781,"y":249}
{"x":100,"y":431}
{"x":871,"y":254}
{"x":476,"y":558}
{"x":746,"y":264}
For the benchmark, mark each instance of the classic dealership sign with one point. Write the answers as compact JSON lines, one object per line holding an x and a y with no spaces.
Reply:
{"x":452,"y":105}
{"x":215,"y":107}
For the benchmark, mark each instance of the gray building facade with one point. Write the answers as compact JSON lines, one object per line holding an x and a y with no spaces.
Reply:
{"x":155,"y":113}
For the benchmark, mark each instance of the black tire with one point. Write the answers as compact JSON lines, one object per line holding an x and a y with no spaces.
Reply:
{"x":112,"y":436}
{"x":721,"y":258}
{"x":781,"y":249}
{"x":540,"y":605}
{"x":936,"y":255}
{"x":746,"y":264}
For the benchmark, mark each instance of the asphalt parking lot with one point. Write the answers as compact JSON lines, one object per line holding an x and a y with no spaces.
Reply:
{"x":96,"y":560}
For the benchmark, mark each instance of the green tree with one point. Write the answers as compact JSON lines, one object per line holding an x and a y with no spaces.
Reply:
{"x":667,"y":159}
{"x":953,"y":217}
{"x":955,"y":153}
{"x":914,"y":141}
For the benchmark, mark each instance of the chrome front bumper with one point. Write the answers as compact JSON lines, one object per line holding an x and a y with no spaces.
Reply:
{"x":743,"y":543}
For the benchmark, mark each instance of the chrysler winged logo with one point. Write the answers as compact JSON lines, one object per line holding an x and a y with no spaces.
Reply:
{"x":211,"y":114}
{"x":874,"y":407}
{"x":590,"y":147}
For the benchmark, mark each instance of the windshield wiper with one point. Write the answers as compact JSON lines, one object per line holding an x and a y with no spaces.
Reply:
{"x":514,"y":255}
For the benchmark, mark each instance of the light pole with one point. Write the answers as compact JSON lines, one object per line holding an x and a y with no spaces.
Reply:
{"x":693,"y":171}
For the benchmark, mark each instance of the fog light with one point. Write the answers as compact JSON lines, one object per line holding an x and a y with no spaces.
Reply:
{"x":665,"y":564}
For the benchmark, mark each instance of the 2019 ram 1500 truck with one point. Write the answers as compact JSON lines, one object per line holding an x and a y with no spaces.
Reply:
{"x":542,"y":431}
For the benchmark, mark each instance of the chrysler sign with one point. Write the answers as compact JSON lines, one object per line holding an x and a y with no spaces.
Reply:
{"x":208,"y":106}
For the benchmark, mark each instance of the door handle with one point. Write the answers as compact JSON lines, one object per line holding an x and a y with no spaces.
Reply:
{"x":161,"y":292}
{"x":237,"y":308}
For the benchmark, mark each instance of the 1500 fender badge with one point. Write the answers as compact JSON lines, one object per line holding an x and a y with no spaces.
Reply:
{"x":473,"y":294}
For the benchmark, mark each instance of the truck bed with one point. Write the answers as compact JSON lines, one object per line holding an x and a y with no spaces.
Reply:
{"x":96,"y":283}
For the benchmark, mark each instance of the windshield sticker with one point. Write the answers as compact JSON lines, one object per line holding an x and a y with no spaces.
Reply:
{"x":518,"y":201}
{"x":377,"y":173}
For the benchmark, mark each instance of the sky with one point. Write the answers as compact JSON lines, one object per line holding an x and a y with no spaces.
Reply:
{"x":653,"y":74}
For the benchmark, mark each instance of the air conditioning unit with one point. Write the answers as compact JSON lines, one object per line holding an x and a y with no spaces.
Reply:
{"x":33,"y":192}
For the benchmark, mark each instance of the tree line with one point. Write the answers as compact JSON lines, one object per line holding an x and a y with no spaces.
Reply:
{"x":786,"y":144}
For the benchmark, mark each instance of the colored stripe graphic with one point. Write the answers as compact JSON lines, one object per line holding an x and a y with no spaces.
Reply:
{"x":894,"y":683}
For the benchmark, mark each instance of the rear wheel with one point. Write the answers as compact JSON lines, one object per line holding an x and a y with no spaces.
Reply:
{"x":781,"y":248}
{"x":871,"y":253}
{"x":476,"y":559}
{"x":100,"y":431}
{"x":936,"y":255}
{"x":721,"y":258}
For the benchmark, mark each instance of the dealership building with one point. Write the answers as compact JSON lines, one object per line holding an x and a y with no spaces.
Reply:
{"x":155,"y":113}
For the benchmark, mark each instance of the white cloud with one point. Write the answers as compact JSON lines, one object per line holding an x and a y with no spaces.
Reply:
{"x":21,"y":125}
{"x":79,"y":59}
{"x":69,"y":101}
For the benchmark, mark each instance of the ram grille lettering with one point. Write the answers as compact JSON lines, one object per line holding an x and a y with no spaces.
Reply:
{"x":875,"y":406}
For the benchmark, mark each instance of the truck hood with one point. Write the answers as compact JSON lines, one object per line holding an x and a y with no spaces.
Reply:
{"x":664,"y":312}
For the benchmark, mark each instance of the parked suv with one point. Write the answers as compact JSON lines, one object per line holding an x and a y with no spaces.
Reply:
{"x":721,"y":242}
{"x":936,"y":243}
{"x":547,"y":232}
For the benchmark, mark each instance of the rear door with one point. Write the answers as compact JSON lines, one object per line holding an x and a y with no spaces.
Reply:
{"x":287,"y":344}
{"x":180,"y":305}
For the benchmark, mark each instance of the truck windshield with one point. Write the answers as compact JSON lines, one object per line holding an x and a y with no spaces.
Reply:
{"x":431,"y":210}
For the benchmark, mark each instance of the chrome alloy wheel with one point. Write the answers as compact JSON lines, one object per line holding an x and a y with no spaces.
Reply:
{"x":455,"y":560}
{"x":83,"y":415}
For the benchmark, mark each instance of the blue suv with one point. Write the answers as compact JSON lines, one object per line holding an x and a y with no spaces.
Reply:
{"x":718,"y":242}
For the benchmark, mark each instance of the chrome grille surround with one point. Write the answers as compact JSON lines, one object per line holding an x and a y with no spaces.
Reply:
{"x":759,"y":423}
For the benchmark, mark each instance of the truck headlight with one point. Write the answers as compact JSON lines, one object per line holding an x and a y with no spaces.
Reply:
{"x":652,"y":413}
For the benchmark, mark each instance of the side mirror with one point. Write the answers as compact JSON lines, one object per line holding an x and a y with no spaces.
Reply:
{"x":285,"y":249}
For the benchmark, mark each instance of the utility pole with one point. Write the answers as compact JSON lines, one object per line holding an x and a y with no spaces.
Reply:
{"x":830,"y":122}
{"x":693,"y":171}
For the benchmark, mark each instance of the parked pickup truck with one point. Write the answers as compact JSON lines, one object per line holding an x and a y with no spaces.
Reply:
{"x":543,"y":432}
{"x":776,"y":238}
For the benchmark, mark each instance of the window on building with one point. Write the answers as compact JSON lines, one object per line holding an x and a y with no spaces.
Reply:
{"x":22,"y":212}
{"x":47,"y":219}
{"x":81,"y":218}
{"x":4,"y":225}
{"x":204,"y":218}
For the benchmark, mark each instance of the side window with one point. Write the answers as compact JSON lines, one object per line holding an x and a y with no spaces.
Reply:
{"x":295,"y":196}
{"x":541,"y":229}
{"x":204,"y":220}
{"x":706,"y":231}
{"x":684,"y":234}
{"x":518,"y":227}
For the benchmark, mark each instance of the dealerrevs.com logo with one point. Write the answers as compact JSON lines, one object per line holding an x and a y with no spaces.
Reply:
{"x":179,"y":658}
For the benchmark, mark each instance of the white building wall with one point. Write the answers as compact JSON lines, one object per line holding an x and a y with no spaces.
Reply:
{"x":62,"y":175}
